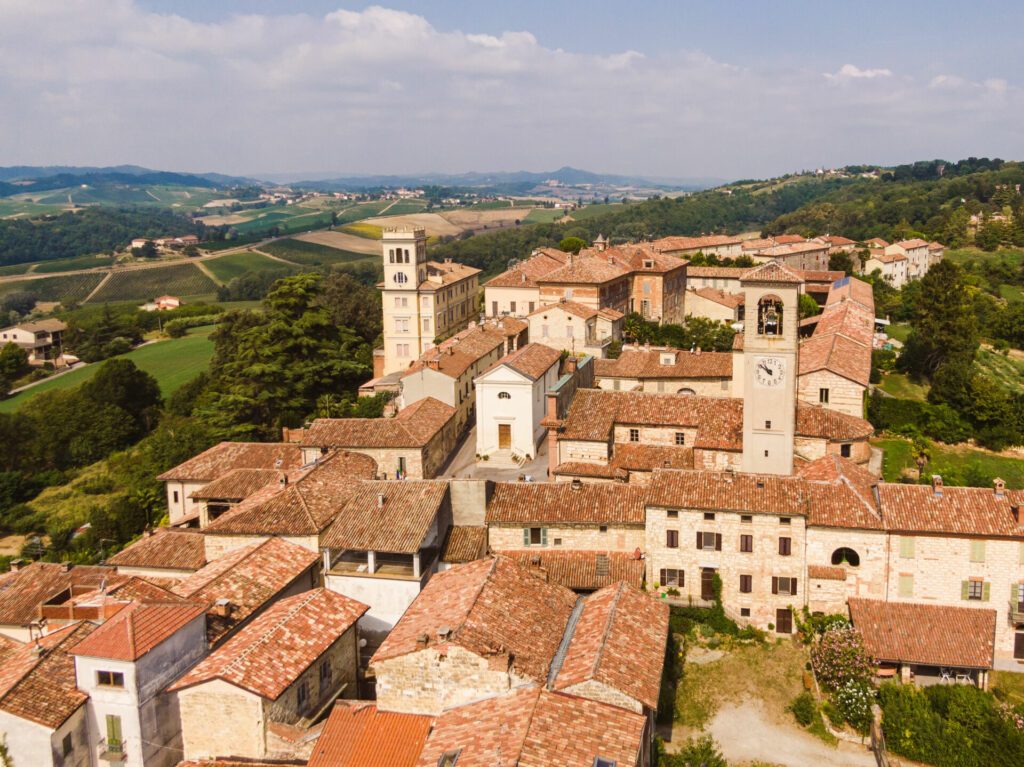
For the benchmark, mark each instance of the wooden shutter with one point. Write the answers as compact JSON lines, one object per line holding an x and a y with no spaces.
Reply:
{"x":965,"y":589}
{"x":718,"y":541}
{"x":526,"y":536}
{"x":775,"y":585}
{"x":792,"y":587}
{"x":543,"y":536}
{"x":661,"y":577}
{"x":113,"y":729}
{"x":986,"y":591}
{"x":700,"y":540}
{"x":906,"y":547}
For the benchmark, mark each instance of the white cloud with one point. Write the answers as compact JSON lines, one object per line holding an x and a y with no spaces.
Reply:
{"x":380,"y":90}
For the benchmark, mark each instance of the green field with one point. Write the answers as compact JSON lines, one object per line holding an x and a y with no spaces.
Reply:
{"x":15,"y":269}
{"x":899,"y":385}
{"x":543,"y":216}
{"x":953,"y":463}
{"x":228,"y":267}
{"x":313,"y":254}
{"x":406,"y":206}
{"x":142,"y":284}
{"x":367,"y":231}
{"x":71,"y":264}
{"x":593,"y":211}
{"x":1005,"y":370}
{"x":963,"y":255}
{"x":898,"y":330}
{"x":173,"y":363}
{"x":69,"y":288}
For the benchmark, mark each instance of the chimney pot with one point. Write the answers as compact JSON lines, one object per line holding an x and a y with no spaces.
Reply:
{"x":16,"y":564}
{"x":1000,"y":486}
{"x":936,"y":484}
{"x":576,"y":483}
{"x":380,"y":500}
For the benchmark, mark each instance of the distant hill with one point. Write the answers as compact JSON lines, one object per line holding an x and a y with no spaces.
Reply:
{"x":60,"y":176}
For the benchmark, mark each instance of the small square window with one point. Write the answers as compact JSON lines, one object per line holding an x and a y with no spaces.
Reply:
{"x":709,"y":516}
{"x":785,"y":521}
{"x":845,"y":450}
{"x":672,"y":514}
{"x":680,"y":438}
{"x":823,"y":396}
{"x":747,"y":518}
{"x":603,"y":528}
{"x":765,"y":453}
{"x":767,"y":424}
{"x":634,"y":435}
{"x":558,"y":542}
{"x":744,"y":612}
{"x":110,"y":678}
{"x":975,"y":589}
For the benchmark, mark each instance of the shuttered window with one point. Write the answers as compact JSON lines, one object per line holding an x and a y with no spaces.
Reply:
{"x":975,"y":590}
{"x":672,"y":539}
{"x":977,"y":551}
{"x":746,"y":584}
{"x":670,"y":577}
{"x":784,"y":585}
{"x":785,"y":546}
{"x":746,"y":544}
{"x":906,"y":547}
{"x":535,"y":536}
{"x":906,"y":587}
{"x":709,"y":541}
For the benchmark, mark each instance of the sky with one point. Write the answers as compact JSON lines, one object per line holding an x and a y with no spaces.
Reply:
{"x":660,"y":88}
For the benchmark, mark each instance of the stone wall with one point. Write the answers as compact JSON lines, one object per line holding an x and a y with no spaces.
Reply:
{"x":210,"y":710}
{"x":602,"y":693}
{"x":844,"y":395}
{"x":343,"y":658}
{"x":573,"y":537}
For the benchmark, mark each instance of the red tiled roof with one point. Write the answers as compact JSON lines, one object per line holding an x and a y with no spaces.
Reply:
{"x":837,"y":354}
{"x":138,"y":628}
{"x":836,"y":240}
{"x":913,"y":244}
{"x":643,"y":258}
{"x":887,"y":258}
{"x":582,"y":269}
{"x":238,"y":484}
{"x":464,"y":544}
{"x":876,"y":242}
{"x":669,"y":244}
{"x":357,"y":734}
{"x":526,"y":273}
{"x":936,"y":246}
{"x":773,"y":271}
{"x":41,"y":687}
{"x":619,"y":641}
{"x":414,"y":427}
{"x":578,"y":570}
{"x":727,"y":272}
{"x":490,"y":607}
{"x":267,"y":656}
{"x":730,"y":300}
{"x":956,"y":511}
{"x":399,"y":526}
{"x":455,"y":355}
{"x":23,"y":591}
{"x":636,"y":457}
{"x":934,"y":635}
{"x":815,"y":421}
{"x":228,"y":456}
{"x":444,"y":273}
{"x":826,"y":573}
{"x":594,"y":470}
{"x":166,"y":549}
{"x":646,"y":363}
{"x":563,"y":503}
{"x":532,"y":360}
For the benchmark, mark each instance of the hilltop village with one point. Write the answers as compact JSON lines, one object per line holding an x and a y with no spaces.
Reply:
{"x":486,"y":575}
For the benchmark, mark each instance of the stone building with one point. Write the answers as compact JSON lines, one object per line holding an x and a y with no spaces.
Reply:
{"x":167,"y":552}
{"x":27,"y":587}
{"x":283,"y":670}
{"x":665,"y":370}
{"x":723,"y":246}
{"x":515,"y":292}
{"x":576,"y":328}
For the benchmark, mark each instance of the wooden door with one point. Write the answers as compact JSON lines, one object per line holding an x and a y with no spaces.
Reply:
{"x":784,"y":621}
{"x":504,"y":436}
{"x":707,"y":584}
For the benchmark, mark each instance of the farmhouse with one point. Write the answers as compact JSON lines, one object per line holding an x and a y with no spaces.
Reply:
{"x":42,"y":340}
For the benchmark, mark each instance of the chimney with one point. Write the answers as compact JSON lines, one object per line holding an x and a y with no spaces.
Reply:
{"x":936,"y":484}
{"x":576,"y":483}
{"x":16,"y":564}
{"x":1000,"y":486}
{"x":570,"y":364}
{"x":444,"y":633}
{"x":222,"y":608}
{"x":65,"y":567}
{"x":380,"y":500}
{"x":569,"y":259}
{"x":421,"y":640}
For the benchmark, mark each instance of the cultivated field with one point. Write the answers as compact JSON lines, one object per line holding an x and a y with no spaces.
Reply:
{"x":141,"y":284}
{"x":434,"y":223}
{"x":313,"y":254}
{"x":230,"y":266}
{"x":341,"y":241}
{"x":66,"y":289}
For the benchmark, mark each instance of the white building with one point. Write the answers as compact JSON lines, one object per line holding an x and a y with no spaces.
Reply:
{"x":576,"y":328}
{"x":511,"y":401}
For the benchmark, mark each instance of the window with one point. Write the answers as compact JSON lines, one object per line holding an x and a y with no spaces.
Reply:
{"x":544,"y":331}
{"x":680,"y":438}
{"x":767,"y":424}
{"x":535,"y":536}
{"x":110,"y":679}
{"x":672,"y":539}
{"x":402,"y":349}
{"x":785,"y":546}
{"x":845,"y":450}
{"x":670,"y":577}
{"x":823,"y":396}
{"x":557,"y":542}
{"x":784,"y":585}
{"x":504,"y":395}
{"x":709,"y":541}
{"x":845,"y":556}
{"x":634,"y":435}
{"x":531,"y":307}
{"x":302,"y":695}
{"x":747,"y":518}
{"x":709,"y":516}
{"x":746,"y":544}
{"x":746,"y":584}
{"x":906,"y":547}
{"x":426,"y":323}
{"x":494,"y":308}
{"x":672,"y":514}
{"x":977,"y":551}
{"x":67,"y":745}
{"x":769,"y":316}
{"x":744,"y":612}
{"x":449,"y":758}
{"x":175,"y":496}
{"x":906,"y":585}
{"x":603,"y":528}
{"x":568,"y":331}
{"x":975,"y":589}
{"x":114,"y":742}
{"x":326,"y":673}
{"x":400,"y":278}
{"x":600,"y":761}
{"x":785,"y":521}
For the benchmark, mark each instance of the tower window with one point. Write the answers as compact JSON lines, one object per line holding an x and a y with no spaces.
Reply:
{"x":769,"y":316}
{"x":401,"y":278}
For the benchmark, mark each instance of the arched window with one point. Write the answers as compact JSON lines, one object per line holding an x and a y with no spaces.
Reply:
{"x":769,"y":316}
{"x":686,"y":391}
{"x":845,"y":556}
{"x":400,"y":278}
{"x":504,"y":395}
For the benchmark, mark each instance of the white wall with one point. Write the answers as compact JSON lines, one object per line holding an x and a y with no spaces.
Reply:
{"x":525,"y":300}
{"x":388,"y":598}
{"x":33,"y":744}
{"x":182,"y":506}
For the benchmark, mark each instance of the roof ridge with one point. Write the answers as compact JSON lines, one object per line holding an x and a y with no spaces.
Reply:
{"x":255,"y":547}
{"x":607,"y":629}
{"x":265,"y":637}
{"x":486,"y":579}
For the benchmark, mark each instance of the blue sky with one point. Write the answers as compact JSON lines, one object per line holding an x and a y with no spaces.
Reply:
{"x":722,"y":89}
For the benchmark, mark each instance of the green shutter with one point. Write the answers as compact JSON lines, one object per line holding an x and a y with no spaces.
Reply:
{"x":906,"y":547}
{"x":543,"y":536}
{"x":986,"y":591}
{"x":526,"y":536}
{"x":113,"y":729}
{"x":965,"y":589}
{"x":977,"y":551}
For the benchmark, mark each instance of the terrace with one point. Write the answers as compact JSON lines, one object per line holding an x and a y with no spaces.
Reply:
{"x":380,"y":564}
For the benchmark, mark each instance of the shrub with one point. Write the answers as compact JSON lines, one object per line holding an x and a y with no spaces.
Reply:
{"x":835,"y":716}
{"x":839,"y":657}
{"x":804,"y":708}
{"x":97,"y":485}
{"x":698,"y":752}
{"x":853,"y":701}
{"x":177,"y":328}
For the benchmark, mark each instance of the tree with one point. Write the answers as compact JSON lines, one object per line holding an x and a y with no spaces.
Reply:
{"x":13,"y":362}
{"x":696,"y":752}
{"x":73,"y":430}
{"x":841,"y":261}
{"x":353,"y":305}
{"x":120,"y":383}
{"x":808,"y":307}
{"x":20,"y":302}
{"x":944,"y":325}
{"x":572,"y":244}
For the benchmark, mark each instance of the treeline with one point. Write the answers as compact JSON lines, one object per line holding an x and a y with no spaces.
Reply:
{"x":89,"y":231}
{"x":919,"y":201}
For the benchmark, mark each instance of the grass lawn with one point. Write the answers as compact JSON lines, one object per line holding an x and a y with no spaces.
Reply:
{"x":899,"y":385}
{"x":1011,"y":292}
{"x":898,"y":330}
{"x":230,"y":266}
{"x":543,"y":216}
{"x":1005,"y":370}
{"x":1011,"y":684}
{"x":173,"y":362}
{"x":953,"y":462}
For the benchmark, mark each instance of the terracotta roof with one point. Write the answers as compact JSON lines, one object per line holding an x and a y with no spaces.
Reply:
{"x":876,"y":242}
{"x":562,"y":503}
{"x":817,"y":275}
{"x":934,"y":635}
{"x":826,"y":573}
{"x":532,"y":360}
{"x":936,"y":246}
{"x":579,"y":570}
{"x":447,"y":273}
{"x":847,"y":317}
{"x":579,"y":310}
{"x":238,"y":484}
{"x":414,"y":426}
{"x":785,"y":250}
{"x":815,"y":421}
{"x":853,"y":289}
{"x":267,"y":656}
{"x":510,"y":326}
{"x":619,"y":641}
{"x":633,"y":456}
{"x":646,"y":363}
{"x":228,"y":456}
{"x":643,"y":258}
{"x":41,"y":687}
{"x":887,"y":258}
{"x":526,"y":273}
{"x":842,"y":494}
{"x":491,"y":607}
{"x":773,"y":271}
{"x":669,"y":244}
{"x":166,"y":549}
{"x":582,"y":269}
{"x":594,"y":470}
{"x":464,"y":544}
{"x":731,"y":300}
{"x":727,"y":272}
{"x":249,"y":578}
{"x":532,"y":727}
{"x":305,"y":505}
{"x":23,"y":591}
{"x":838,"y":355}
{"x":974,"y":511}
{"x":455,"y":355}
{"x":913,"y":244}
{"x":138,"y":628}
{"x":833,"y":239}
{"x":399,"y":526}
{"x":357,"y":734}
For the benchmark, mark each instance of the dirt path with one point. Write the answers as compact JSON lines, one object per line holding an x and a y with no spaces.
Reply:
{"x":206,"y":270}
{"x":745,"y":733}
{"x":276,"y":258}
{"x":96,"y":290}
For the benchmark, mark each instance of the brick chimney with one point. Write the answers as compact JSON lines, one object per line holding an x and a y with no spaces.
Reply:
{"x":999,"y":486}
{"x":936,"y":484}
{"x":16,"y":564}
{"x":380,"y":500}
{"x":222,"y":608}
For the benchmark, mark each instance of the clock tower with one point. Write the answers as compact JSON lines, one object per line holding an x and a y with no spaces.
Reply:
{"x":770,"y":353}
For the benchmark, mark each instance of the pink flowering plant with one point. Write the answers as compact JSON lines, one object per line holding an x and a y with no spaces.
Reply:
{"x":839,"y":658}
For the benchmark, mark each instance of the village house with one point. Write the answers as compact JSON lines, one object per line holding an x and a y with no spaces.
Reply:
{"x":802,"y":254}
{"x":936,"y":252}
{"x":124,"y":667}
{"x":576,"y":328}
{"x":383,"y":547}
{"x":284,"y":670}
{"x":596,"y":280}
{"x":663,"y":369}
{"x":165,"y":553}
{"x":723,"y":246}
{"x":657,"y":281}
{"x":715,"y":304}
{"x":511,"y":400}
{"x":917,"y":254}
{"x":42,"y":711}
{"x":515,"y":292}
{"x":27,"y":587}
{"x":414,"y":444}
{"x":725,"y":278}
{"x":42,"y":340}
{"x":894,"y":267}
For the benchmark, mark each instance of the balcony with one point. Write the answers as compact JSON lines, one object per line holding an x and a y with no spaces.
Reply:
{"x":1017,"y":612}
{"x":363,"y":564}
{"x":112,"y":751}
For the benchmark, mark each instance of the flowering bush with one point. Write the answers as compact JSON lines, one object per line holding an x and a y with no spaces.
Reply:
{"x":1011,"y":715}
{"x":839,"y":657}
{"x":854,"y":701}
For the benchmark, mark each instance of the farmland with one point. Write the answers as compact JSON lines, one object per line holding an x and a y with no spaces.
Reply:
{"x":340,"y":241}
{"x":593,"y":211}
{"x":173,"y":362}
{"x":543,"y":215}
{"x":313,"y":254}
{"x":368,"y":231}
{"x":228,"y":267}
{"x":66,"y":289}
{"x":140,"y":284}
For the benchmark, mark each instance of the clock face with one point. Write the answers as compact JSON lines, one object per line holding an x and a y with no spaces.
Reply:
{"x":769,"y":371}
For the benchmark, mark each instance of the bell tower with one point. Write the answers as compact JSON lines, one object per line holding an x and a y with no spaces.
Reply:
{"x":404,"y":252}
{"x":770,"y":365}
